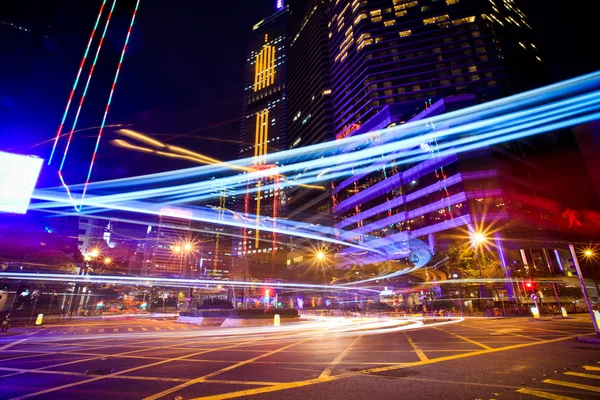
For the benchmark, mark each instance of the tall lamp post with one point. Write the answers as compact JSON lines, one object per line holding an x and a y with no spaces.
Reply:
{"x":183,"y":249}
{"x":320,"y":256}
{"x":587,"y":253}
{"x":478,"y":240}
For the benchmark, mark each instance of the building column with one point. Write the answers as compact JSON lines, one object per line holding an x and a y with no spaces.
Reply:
{"x":432,"y":242}
{"x":501,"y":250}
{"x":546,"y":258}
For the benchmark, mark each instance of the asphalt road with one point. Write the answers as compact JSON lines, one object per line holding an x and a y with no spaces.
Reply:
{"x":322,"y":359}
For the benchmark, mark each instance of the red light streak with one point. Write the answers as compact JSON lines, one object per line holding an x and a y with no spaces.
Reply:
{"x":76,"y":81}
{"x":112,"y":90}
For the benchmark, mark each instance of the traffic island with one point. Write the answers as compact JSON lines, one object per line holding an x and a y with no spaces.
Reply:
{"x":238,"y":317}
{"x":589,"y":339}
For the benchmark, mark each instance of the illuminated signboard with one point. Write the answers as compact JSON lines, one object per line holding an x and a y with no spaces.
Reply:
{"x":18,"y":175}
{"x":347,"y":131}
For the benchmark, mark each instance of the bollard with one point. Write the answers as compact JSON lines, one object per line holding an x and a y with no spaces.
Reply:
{"x":276,"y":320}
{"x":39,"y":319}
{"x":536,"y":312}
{"x":564,"y":312}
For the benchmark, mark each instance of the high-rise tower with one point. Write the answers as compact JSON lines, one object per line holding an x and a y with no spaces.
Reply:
{"x":263,"y":131}
{"x":391,"y":51}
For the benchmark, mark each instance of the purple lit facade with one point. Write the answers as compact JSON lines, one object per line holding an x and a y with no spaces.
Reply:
{"x":397,"y":61}
{"x":441,"y":199}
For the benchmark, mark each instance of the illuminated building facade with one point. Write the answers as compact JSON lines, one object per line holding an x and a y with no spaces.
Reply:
{"x":165,"y":252}
{"x":390,"y":51}
{"x":310,"y":110}
{"x":214,"y":241}
{"x":397,"y":61}
{"x":441,"y":200}
{"x":263,"y":131}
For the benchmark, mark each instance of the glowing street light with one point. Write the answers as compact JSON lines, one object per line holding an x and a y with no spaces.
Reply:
{"x":187,"y":246}
{"x":177,"y":249}
{"x":107,"y":260}
{"x":320,"y":255}
{"x":588,"y":253}
{"x":478,"y":238}
{"x":94,"y":253}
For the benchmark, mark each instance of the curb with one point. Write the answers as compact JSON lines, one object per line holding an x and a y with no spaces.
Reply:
{"x":589,"y":339}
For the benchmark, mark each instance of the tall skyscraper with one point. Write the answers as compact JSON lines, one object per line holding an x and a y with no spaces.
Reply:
{"x":397,"y":61}
{"x":169,"y":247}
{"x":390,"y":51}
{"x":263,"y":131}
{"x":311,"y":112}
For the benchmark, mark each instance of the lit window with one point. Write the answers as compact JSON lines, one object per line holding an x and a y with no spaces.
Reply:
{"x":362,"y":44}
{"x":326,"y":92}
{"x":538,"y":58}
{"x":425,"y":8}
{"x":375,"y":12}
{"x":405,"y":33}
{"x":376,"y":19}
{"x":461,"y":21}
{"x":433,"y":20}
{"x":475,"y":77}
{"x":473,"y":68}
{"x":400,"y":13}
{"x":416,"y":87}
{"x":389,"y":23}
{"x":359,"y":18}
{"x":491,"y":83}
{"x":363,"y":36}
{"x":448,"y":2}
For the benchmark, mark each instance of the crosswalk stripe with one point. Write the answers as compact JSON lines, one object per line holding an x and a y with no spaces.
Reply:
{"x":130,"y":329}
{"x":589,"y":368}
{"x":573,"y":385}
{"x":100,"y":330}
{"x":115,"y":329}
{"x":144,"y":329}
{"x":544,"y":395}
{"x":157,"y":328}
{"x":582,"y":375}
{"x":168,"y":327}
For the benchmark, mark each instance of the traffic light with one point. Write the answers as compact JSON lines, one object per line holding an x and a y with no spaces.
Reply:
{"x":530,"y":285}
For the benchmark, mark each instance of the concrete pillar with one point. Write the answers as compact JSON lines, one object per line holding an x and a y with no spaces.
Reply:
{"x":546,"y":257}
{"x":501,"y":250}
{"x":432,"y":242}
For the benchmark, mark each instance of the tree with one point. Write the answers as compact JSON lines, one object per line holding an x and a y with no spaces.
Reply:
{"x":466,"y":264}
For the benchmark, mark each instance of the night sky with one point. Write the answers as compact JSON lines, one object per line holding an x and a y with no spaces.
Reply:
{"x":182,"y":78}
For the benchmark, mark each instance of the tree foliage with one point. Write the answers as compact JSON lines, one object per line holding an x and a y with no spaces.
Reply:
{"x":466,"y":263}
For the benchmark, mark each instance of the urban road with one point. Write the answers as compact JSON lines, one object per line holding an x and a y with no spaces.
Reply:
{"x":362,"y":358}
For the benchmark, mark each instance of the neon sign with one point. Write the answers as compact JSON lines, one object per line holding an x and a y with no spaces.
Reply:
{"x":347,"y":131}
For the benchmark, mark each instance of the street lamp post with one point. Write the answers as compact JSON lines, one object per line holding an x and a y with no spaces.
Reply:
{"x":479,"y":239}
{"x":585,"y":295}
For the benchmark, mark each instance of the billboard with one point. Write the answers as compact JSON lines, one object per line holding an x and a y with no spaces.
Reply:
{"x":18,"y":175}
